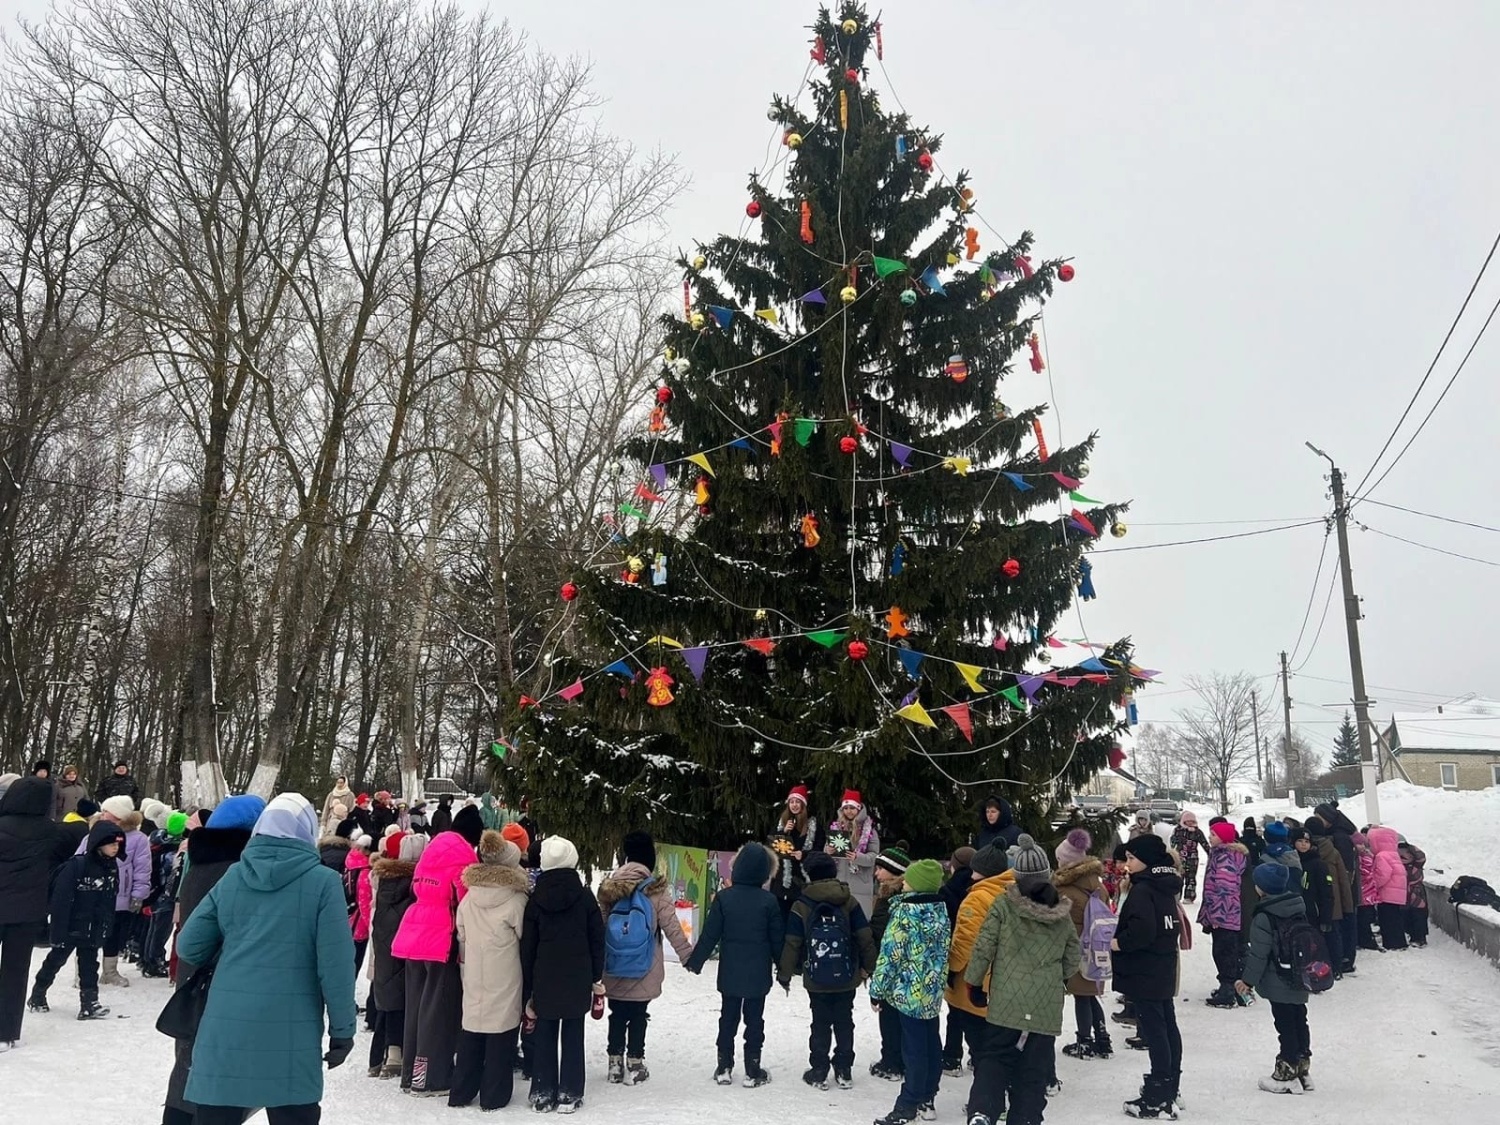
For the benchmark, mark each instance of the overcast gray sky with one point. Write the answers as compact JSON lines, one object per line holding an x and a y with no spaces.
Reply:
{"x":1274,"y":210}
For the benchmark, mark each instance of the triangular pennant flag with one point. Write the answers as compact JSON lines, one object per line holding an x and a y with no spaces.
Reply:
{"x":959,"y":713}
{"x":1001,"y":644}
{"x":911,"y":660}
{"x":660,"y":473}
{"x":620,"y":668}
{"x":668,"y":641}
{"x":933,"y":282}
{"x":1064,"y":480}
{"x":970,"y":673}
{"x":827,"y":637}
{"x":1014,"y":695}
{"x":916,"y":713}
{"x":721,"y":314}
{"x":884,"y":267}
{"x":900,"y":453}
{"x":1097,"y":678}
{"x":911,"y":696}
{"x":1080,"y":498}
{"x":740,"y":443}
{"x":1092,"y":664}
{"x":644,"y":493}
{"x":1083,"y":521}
{"x":1068,"y":681}
{"x":500,"y":748}
{"x":762,"y":645}
{"x":1053,"y":642}
{"x":803,"y":430}
{"x":900,"y":146}
{"x":696,"y":659}
{"x":1030,"y":684}
{"x":626,"y":508}
{"x":572,"y":691}
{"x":701,"y":460}
{"x":814,"y":297}
{"x":1015,"y":479}
{"x":768,"y":314}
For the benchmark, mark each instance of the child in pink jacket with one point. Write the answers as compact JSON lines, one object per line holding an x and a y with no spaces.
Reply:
{"x":1390,"y":887}
{"x":357,"y":878}
{"x":427,"y":940}
{"x":1369,"y":893}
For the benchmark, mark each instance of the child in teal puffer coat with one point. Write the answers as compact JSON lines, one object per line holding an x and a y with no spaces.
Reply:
{"x":909,"y":976}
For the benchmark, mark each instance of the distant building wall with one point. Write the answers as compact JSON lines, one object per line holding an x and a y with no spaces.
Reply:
{"x":1470,"y":770}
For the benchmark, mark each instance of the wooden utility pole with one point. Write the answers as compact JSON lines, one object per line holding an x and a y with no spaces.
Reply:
{"x":1288,"y":751}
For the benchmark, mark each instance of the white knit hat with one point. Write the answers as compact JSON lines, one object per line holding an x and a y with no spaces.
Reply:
{"x":154,"y":811}
{"x":558,"y":852}
{"x":118,"y":807}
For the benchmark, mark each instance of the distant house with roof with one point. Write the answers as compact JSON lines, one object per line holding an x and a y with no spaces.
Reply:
{"x":1456,"y":746}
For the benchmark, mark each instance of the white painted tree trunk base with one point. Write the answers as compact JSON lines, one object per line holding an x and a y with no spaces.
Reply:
{"x":202,"y":783}
{"x":263,"y":780}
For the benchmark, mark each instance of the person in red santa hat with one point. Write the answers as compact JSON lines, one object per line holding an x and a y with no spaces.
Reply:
{"x":796,"y":834}
{"x":853,"y":841}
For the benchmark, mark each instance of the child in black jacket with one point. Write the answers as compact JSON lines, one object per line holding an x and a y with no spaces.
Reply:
{"x":1317,"y":882}
{"x":1145,"y":969}
{"x":83,"y":913}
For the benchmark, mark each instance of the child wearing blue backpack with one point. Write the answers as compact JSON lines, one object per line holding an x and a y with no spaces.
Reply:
{"x":828,"y":941}
{"x":637,"y":913}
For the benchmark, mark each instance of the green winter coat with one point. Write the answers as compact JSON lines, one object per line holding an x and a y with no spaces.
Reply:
{"x":1029,"y":950}
{"x":278,"y":924}
{"x":913,"y":962}
{"x":1260,"y":954}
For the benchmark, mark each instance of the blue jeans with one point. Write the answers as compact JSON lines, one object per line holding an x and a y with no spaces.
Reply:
{"x":922,"y":1052}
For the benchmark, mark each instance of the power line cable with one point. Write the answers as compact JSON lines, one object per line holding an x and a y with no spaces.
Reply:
{"x":1323,"y":620}
{"x":1312,"y":595}
{"x":1429,"y":547}
{"x":1210,"y":539}
{"x":1431,"y":515}
{"x":1433,"y":365}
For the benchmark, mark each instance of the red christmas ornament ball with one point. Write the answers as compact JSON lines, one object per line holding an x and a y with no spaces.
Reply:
{"x":848,"y":444}
{"x":858,"y":650}
{"x":568,"y":592}
{"x":924,"y":162}
{"x":1010,"y":568}
{"x":753,"y":208}
{"x":664,"y":395}
{"x":1065,"y":272}
{"x":851,"y":75}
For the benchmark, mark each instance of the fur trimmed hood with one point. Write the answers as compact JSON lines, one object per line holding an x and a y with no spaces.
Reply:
{"x":623,"y":881}
{"x":1035,"y":911}
{"x":334,"y":842}
{"x":494,"y":875}
{"x":392,"y":869}
{"x":1067,"y":876}
{"x":1232,"y":846}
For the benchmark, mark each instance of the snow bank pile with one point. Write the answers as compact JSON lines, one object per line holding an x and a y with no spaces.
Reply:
{"x":1459,"y":831}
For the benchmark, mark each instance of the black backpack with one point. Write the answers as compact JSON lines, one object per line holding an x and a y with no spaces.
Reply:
{"x":351,"y":891}
{"x":829,"y":947}
{"x":1302,"y":955}
{"x":1469,"y":890}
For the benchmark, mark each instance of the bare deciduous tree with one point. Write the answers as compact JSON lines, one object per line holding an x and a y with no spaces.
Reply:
{"x":1217,"y":740}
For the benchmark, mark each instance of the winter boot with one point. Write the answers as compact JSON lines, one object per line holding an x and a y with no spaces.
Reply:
{"x":754,"y":1075}
{"x":1283,"y":1079}
{"x":636,"y":1072}
{"x":927,"y":1112}
{"x":567,"y":1103}
{"x":1223,"y":998}
{"x":844,"y":1079}
{"x":817,"y":1079}
{"x":89,"y":1008}
{"x":1103,"y":1048}
{"x":898,"y":1116}
{"x":391,"y":1068}
{"x":38,"y":1001}
{"x":1175,"y":1086}
{"x":890,"y":1073}
{"x":616,"y":1073}
{"x":1155,"y":1102}
{"x":154,"y":970}
{"x":1082,"y":1049}
{"x":724,"y":1075}
{"x":110,"y":974}
{"x":1304,"y":1067}
{"x":979,"y":1119}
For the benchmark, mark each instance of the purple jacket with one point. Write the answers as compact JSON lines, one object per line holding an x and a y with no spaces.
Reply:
{"x":1220,"y":908}
{"x":134,"y":866}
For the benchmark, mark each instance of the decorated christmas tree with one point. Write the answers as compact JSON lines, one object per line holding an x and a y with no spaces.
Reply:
{"x":839,"y":558}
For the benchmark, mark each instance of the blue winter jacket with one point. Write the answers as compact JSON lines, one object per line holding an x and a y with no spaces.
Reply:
{"x":278,"y":924}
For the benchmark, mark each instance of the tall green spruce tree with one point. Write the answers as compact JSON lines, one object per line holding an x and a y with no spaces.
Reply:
{"x":839,"y":369}
{"x":1345,"y":745}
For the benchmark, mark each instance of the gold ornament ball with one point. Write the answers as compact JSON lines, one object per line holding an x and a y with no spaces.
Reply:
{"x":850,"y":26}
{"x":794,"y":140}
{"x":636,"y":564}
{"x":668,"y":354}
{"x":984,"y":295}
{"x":1118,"y":531}
{"x":696,"y":320}
{"x":848,"y":294}
{"x":760,"y":615}
{"x":1083,"y":470}
{"x":700,"y":262}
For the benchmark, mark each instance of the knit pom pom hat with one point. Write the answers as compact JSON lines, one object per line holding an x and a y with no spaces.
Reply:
{"x":924,"y":877}
{"x":1029,"y":863}
{"x":558,"y":852}
{"x":1074,"y":849}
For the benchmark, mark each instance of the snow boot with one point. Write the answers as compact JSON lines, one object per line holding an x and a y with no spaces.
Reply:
{"x":1223,"y":998}
{"x":898,"y":1116}
{"x":844,"y":1079}
{"x":1082,"y":1049}
{"x":895,"y":1074}
{"x":567,"y":1103}
{"x":89,"y":1008}
{"x":1283,"y":1079}
{"x":636,"y":1072}
{"x":38,"y":1000}
{"x":1103,"y":1048}
{"x":724,"y":1075}
{"x":110,"y":974}
{"x":1304,"y":1076}
{"x":817,"y":1079}
{"x":391,"y":1068}
{"x":927,"y":1112}
{"x":979,"y":1119}
{"x":1155,"y":1102}
{"x":154,"y":970}
{"x":616,"y":1073}
{"x":754,"y":1075}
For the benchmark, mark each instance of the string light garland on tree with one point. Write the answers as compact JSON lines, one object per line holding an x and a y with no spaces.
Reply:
{"x":827,"y":539}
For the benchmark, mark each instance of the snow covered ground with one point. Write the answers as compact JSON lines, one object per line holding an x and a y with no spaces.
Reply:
{"x":1459,"y":831}
{"x":1413,"y":1029}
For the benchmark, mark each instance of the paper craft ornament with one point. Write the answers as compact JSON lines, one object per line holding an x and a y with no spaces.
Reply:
{"x":658,"y":423}
{"x":908,"y":297}
{"x":916,"y":713}
{"x":814,"y":297}
{"x":819,"y":53}
{"x":659,"y":687}
{"x":971,"y":243}
{"x":500,"y":748}
{"x":844,"y":110}
{"x":827,"y":638}
{"x":1035,"y":344}
{"x":572,"y":691}
{"x":1041,"y":441}
{"x":1086,"y":581}
{"x":700,"y":492}
{"x":959,"y":465}
{"x":957,"y":369}
{"x":884,"y":267}
{"x":933,"y":282}
{"x":959,"y":713}
{"x":659,"y":569}
{"x":898,"y":560}
{"x":569,"y":591}
{"x":809,"y":530}
{"x":895,"y":623}
{"x":807,"y":231}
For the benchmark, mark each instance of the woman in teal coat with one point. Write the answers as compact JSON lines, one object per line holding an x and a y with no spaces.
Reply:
{"x":279,"y":928}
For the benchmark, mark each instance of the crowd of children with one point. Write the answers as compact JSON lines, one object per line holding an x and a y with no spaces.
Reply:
{"x":486,"y":950}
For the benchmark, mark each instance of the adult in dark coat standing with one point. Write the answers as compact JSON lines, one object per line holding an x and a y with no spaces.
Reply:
{"x":31,"y":847}
{"x":1145,"y":966}
{"x":1341,"y":830}
{"x":996,"y":824}
{"x":119,"y":784}
{"x":562,"y":970}
{"x":745,"y":924}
